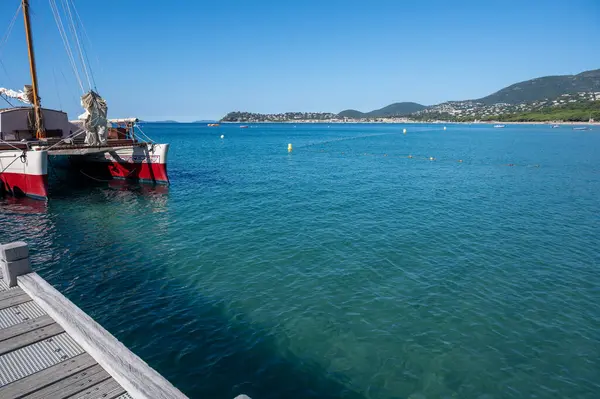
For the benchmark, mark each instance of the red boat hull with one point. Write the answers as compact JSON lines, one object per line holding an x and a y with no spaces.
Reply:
{"x":149,"y":172}
{"x":21,"y":184}
{"x":24,"y":173}
{"x":148,"y":164}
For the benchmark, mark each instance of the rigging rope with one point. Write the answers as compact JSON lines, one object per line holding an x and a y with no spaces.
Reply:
{"x":9,"y":29}
{"x":80,"y":24}
{"x":21,"y":157}
{"x":63,"y":36}
{"x":5,"y":40}
{"x":67,"y":7}
{"x":71,"y":136}
{"x":9,"y":144}
{"x":144,"y":134}
{"x":6,"y":99}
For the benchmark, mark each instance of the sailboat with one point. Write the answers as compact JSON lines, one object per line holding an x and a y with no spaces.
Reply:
{"x":32,"y":138}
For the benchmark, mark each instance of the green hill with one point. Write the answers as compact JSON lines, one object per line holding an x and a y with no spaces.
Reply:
{"x":396,"y":109}
{"x":573,"y":112}
{"x":545,"y":87}
{"x":352,"y":113}
{"x":559,"y":94}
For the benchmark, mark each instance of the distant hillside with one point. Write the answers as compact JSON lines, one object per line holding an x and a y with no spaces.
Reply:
{"x":352,"y":114}
{"x":396,"y":109}
{"x":238,"y":116}
{"x":568,"y":97}
{"x":546,"y":87}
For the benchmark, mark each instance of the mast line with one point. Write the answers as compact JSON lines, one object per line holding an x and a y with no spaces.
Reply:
{"x":39,"y":124}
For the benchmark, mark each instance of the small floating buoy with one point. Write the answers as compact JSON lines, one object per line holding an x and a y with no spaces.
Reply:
{"x":444,"y":127}
{"x":404,"y":131}
{"x":431,"y":158}
{"x":290,"y":147}
{"x":222,"y":136}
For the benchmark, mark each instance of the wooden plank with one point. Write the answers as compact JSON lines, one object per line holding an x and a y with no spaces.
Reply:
{"x":131,"y":372}
{"x":46,"y":377}
{"x":115,"y":393}
{"x":10,"y":293}
{"x":106,"y":390}
{"x":26,"y":326}
{"x":29,"y":338}
{"x":13,"y":301}
{"x":72,"y":385}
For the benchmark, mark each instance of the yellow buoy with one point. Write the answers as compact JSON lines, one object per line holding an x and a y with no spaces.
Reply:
{"x":290,"y":146}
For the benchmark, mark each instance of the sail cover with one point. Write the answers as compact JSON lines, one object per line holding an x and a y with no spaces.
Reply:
{"x":18,"y":95}
{"x":94,"y":118}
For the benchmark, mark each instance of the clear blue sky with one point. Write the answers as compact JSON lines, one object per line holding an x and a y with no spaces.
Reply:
{"x":190,"y":60}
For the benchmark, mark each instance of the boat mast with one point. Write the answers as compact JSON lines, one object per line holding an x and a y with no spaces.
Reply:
{"x":39,"y":124}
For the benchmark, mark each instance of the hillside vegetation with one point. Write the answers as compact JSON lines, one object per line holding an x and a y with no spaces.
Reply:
{"x":546,"y":87}
{"x":396,"y":109}
{"x":568,"y":113}
{"x":549,"y":98}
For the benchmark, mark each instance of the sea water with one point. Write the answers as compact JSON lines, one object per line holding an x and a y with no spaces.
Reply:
{"x":366,"y":263}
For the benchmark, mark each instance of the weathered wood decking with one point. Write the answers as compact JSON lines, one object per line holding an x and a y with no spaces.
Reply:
{"x":38,"y":359}
{"x":49,"y":348}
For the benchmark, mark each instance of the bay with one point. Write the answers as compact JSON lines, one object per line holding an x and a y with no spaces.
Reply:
{"x":366,"y":263}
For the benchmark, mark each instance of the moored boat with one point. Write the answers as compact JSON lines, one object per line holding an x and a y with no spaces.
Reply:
{"x":499,"y":126}
{"x":33,"y":139}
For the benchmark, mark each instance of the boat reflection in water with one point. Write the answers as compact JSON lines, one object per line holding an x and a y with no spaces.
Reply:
{"x":154,"y":198}
{"x":24,"y":205}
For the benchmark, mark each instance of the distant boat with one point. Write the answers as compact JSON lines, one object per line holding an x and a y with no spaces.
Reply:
{"x":555,"y":126}
{"x":244,"y":127}
{"x":499,"y":126}
{"x":213,"y":124}
{"x":582,"y":128}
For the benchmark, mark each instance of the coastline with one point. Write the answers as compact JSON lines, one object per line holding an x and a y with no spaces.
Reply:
{"x":407,"y":122}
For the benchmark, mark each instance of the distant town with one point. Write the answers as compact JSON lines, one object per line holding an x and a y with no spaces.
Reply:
{"x":469,"y":110}
{"x":569,"y":107}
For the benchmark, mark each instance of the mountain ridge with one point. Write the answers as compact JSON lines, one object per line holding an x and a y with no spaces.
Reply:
{"x":537,"y":89}
{"x":532,"y":91}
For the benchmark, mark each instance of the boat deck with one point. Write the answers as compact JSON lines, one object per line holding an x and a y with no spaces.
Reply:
{"x":38,"y":359}
{"x":75,"y":148}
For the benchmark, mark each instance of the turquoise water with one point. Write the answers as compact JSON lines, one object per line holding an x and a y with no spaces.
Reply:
{"x":344,"y":269}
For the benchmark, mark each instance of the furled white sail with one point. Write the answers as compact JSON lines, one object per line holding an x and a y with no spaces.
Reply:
{"x":94,"y":118}
{"x":18,"y":95}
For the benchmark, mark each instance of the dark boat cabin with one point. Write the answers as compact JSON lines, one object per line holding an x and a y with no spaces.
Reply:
{"x":17,"y":124}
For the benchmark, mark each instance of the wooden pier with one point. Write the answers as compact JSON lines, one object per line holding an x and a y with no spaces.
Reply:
{"x":49,"y":348}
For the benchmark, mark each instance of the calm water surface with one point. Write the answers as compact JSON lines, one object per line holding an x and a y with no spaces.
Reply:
{"x":345,"y":269}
